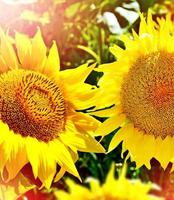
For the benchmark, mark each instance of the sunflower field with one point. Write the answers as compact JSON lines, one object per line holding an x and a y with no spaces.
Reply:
{"x":86,"y":99}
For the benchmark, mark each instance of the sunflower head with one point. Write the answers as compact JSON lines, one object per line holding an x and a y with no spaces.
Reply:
{"x":41,"y":121}
{"x":113,"y":189}
{"x":35,"y":107}
{"x":142,"y":92}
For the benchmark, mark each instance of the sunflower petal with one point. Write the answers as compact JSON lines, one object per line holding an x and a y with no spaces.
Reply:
{"x":110,"y":124}
{"x":24,"y":48}
{"x":60,"y":174}
{"x":38,"y":52}
{"x":47,"y":166}
{"x":108,"y":112}
{"x":7,"y":51}
{"x":18,"y":158}
{"x":82,"y":142}
{"x":33,"y":152}
{"x":63,"y":157}
{"x":52,"y":65}
{"x":72,"y":76}
{"x":4,"y":67}
{"x":85,"y":122}
{"x":118,"y":137}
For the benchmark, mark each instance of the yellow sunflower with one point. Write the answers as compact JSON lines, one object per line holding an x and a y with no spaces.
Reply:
{"x":141,"y":86}
{"x":40,"y":122}
{"x":113,"y":189}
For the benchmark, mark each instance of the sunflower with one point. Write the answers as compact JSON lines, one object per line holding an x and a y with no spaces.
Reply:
{"x":40,"y":121}
{"x":141,"y":89}
{"x":113,"y":189}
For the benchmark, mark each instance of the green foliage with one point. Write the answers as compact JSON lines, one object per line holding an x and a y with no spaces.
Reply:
{"x":84,"y":31}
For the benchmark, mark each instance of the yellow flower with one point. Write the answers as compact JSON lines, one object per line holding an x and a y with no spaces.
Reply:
{"x":15,"y":188}
{"x":141,"y":85}
{"x":40,"y":122}
{"x":112,"y":189}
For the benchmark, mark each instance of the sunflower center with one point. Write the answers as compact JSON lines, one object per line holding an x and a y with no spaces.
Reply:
{"x":31,"y":105}
{"x":147,"y":94}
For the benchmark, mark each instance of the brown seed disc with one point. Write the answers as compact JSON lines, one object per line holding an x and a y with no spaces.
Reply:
{"x":31,"y":104}
{"x":147,"y":94}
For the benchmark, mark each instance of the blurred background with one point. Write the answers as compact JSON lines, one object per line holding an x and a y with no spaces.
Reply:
{"x":84,"y":30}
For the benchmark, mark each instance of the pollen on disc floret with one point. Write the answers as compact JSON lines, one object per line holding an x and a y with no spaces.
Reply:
{"x":147,"y":94}
{"x":31,"y":104}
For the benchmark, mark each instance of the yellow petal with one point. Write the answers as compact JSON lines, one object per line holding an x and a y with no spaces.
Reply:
{"x":110,"y":124}
{"x":52,"y":65}
{"x":79,"y":74}
{"x":7,"y":147}
{"x":110,"y":176}
{"x":47,"y":166}
{"x":3,"y":65}
{"x":165,"y":155}
{"x":94,"y":184}
{"x":132,"y":143}
{"x":5,"y":132}
{"x":81,"y":95}
{"x":33,"y":152}
{"x":23,"y":45}
{"x":17,"y":160}
{"x":7,"y":51}
{"x":143,"y":144}
{"x":119,"y":136}
{"x":63,"y":157}
{"x":38,"y":52}
{"x":85,"y":122}
{"x":4,"y":157}
{"x":82,"y":142}
{"x":60,"y":174}
{"x":116,"y":51}
{"x":108,"y":112}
